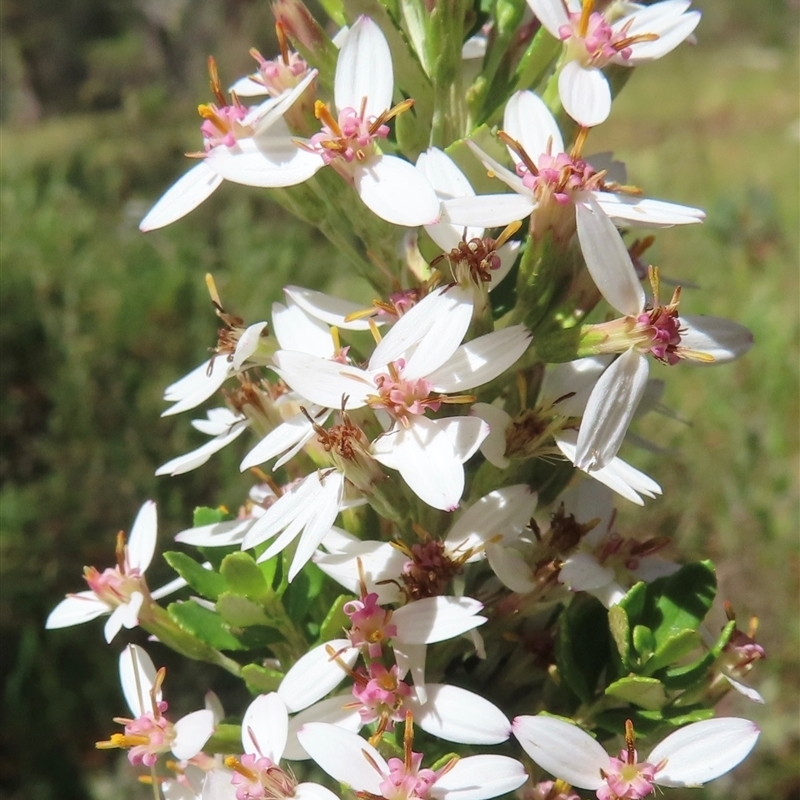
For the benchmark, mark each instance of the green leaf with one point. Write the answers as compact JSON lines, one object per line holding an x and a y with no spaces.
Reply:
{"x":204,"y":581}
{"x":620,"y":628}
{"x":683,"y":717}
{"x":644,"y":642}
{"x":203,"y":515}
{"x":225,"y":739}
{"x":261,"y":679}
{"x":582,"y":645}
{"x":206,"y":625}
{"x":634,"y":602}
{"x":239,"y":611}
{"x":244,"y":578}
{"x":302,"y":591}
{"x":688,"y":675}
{"x":673,"y":649}
{"x":335,"y":619}
{"x":647,"y":693}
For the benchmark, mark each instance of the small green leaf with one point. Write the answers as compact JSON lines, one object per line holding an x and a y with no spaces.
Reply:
{"x":225,"y":739}
{"x":261,"y":679}
{"x":204,"y":581}
{"x":647,"y":693}
{"x":206,"y":625}
{"x":683,"y":717}
{"x":582,"y":645}
{"x":686,"y":676}
{"x":239,"y":611}
{"x":244,"y":578}
{"x":644,"y":642}
{"x":203,"y":515}
{"x":621,"y":633}
{"x":673,"y":649}
{"x":634,"y":602}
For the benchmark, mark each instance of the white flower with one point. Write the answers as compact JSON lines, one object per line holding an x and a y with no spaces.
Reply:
{"x":591,"y":41}
{"x":120,"y":591}
{"x":413,"y":369}
{"x":690,"y":756}
{"x":363,"y":86}
{"x":235,"y":135}
{"x":353,"y":761}
{"x":149,"y":734}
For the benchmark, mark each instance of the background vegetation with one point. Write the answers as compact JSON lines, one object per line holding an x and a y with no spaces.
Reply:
{"x":96,"y":318}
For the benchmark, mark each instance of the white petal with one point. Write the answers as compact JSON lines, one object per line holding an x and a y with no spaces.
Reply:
{"x":610,"y":409}
{"x":503,"y":513}
{"x":333,"y":711}
{"x":114,"y":623}
{"x":493,"y":446}
{"x":342,"y":755}
{"x":142,"y":539}
{"x":628,"y":210}
{"x":748,"y":691}
{"x":182,"y":197}
{"x":265,"y":727}
{"x":607,"y":259}
{"x":331,"y":310}
{"x":364,"y":70}
{"x":410,"y":658}
{"x":296,"y":330}
{"x":189,"y":383}
{"x":379,"y":562}
{"x":197,"y":457}
{"x":393,"y":189}
{"x":137,"y":675}
{"x":528,"y":120}
{"x":585,"y":94}
{"x":428,"y":334}
{"x":576,"y":377}
{"x":496,"y":170}
{"x":171,"y":587}
{"x":191,"y":733}
{"x":218,"y":422}
{"x":249,"y":86}
{"x":481,"y":360}
{"x":434,"y":619}
{"x":441,"y":171}
{"x":313,"y":791}
{"x":247,"y":344}
{"x":510,"y":567}
{"x":723,"y":339}
{"x":324,"y":382}
{"x":653,"y":567}
{"x":563,"y":749}
{"x":488,"y":210}
{"x":76,"y":609}
{"x":582,"y":572}
{"x":508,"y":255}
{"x":269,"y":114}
{"x":458,"y":715}
{"x":667,"y":20}
{"x":315,"y":674}
{"x":218,"y":786}
{"x":479,"y":777}
{"x":129,"y":612}
{"x":704,"y":750}
{"x":218,"y":534}
{"x":551,"y":13}
{"x":285,"y":436}
{"x":205,"y":380}
{"x":267,"y":161}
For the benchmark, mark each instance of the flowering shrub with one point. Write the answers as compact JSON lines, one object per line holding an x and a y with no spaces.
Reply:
{"x":429,"y":563}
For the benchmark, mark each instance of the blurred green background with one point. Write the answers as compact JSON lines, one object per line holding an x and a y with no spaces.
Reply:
{"x":97,"y":108}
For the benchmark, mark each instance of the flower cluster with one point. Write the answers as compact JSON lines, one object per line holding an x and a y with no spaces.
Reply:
{"x":432,"y":542}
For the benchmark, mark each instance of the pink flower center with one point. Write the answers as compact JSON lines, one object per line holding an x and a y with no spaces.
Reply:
{"x":370,"y":624}
{"x":627,"y":781}
{"x":662,"y":330}
{"x":222,"y":125}
{"x":381,"y":695}
{"x":147,"y":736}
{"x":349,"y":138}
{"x":598,"y":43}
{"x":402,"y":397}
{"x":281,"y":73}
{"x":259,"y":778}
{"x":407,"y":782}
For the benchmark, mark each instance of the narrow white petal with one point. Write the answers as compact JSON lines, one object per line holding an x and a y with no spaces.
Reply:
{"x":704,"y":750}
{"x":496,"y":170}
{"x":627,"y":210}
{"x":265,"y":727}
{"x":510,"y":567}
{"x":653,"y":567}
{"x":218,"y":534}
{"x":296,"y":330}
{"x":114,"y":623}
{"x":364,"y":70}
{"x":563,"y":749}
{"x":458,"y":715}
{"x":504,"y":513}
{"x":748,"y":691}
{"x":197,"y":457}
{"x":434,"y":619}
{"x":610,"y":409}
{"x":247,"y":344}
{"x":191,"y":733}
{"x":316,"y":673}
{"x":379,"y":561}
{"x":129,"y":612}
{"x":667,"y":20}
{"x":528,"y":120}
{"x":333,"y":711}
{"x":481,"y":360}
{"x":582,"y":572}
{"x":281,"y":439}
{"x":189,"y":383}
{"x":267,"y":162}
{"x":577,"y":377}
{"x":269,"y":114}
{"x":441,"y":171}
{"x":488,"y":210}
{"x":434,"y":328}
{"x":182,"y":197}
{"x":585,"y":94}
{"x":331,"y":310}
{"x":324,"y":382}
{"x":142,"y":539}
{"x":493,"y":446}
{"x":410,"y":658}
{"x":723,"y":339}
{"x":313,"y":791}
{"x":393,"y":189}
{"x":171,"y":587}
{"x":607,"y":259}
{"x":479,"y":777}
{"x":249,"y":86}
{"x":551,"y":13}
{"x":342,"y":755}
{"x":76,"y":609}
{"x":137,"y":676}
{"x":218,"y":422}
{"x":508,"y":255}
{"x":206,"y":379}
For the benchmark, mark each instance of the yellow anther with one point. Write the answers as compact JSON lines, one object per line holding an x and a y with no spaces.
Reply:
{"x":376,"y":335}
{"x":586,"y":13}
{"x":233,"y":763}
{"x":323,"y":114}
{"x":216,"y":86}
